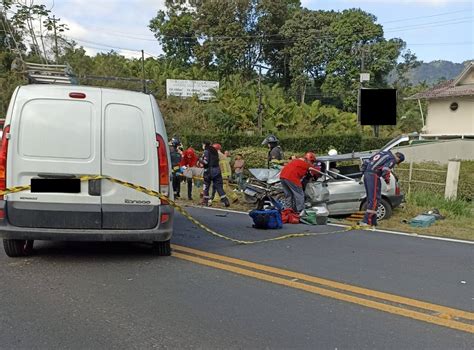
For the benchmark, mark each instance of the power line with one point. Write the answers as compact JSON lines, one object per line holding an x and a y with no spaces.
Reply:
{"x":430,"y":23}
{"x":430,"y":16}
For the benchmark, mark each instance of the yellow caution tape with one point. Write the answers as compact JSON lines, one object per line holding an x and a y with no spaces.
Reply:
{"x":161,"y":196}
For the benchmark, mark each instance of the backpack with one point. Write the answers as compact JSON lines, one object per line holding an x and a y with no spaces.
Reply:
{"x":266,"y":219}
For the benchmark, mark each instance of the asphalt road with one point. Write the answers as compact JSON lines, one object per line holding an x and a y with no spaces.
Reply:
{"x":116,"y":295}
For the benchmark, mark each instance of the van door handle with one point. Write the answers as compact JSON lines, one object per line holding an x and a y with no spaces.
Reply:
{"x":95,"y":187}
{"x":56,"y":176}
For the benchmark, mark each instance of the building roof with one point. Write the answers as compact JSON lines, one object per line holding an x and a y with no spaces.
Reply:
{"x":450,"y":88}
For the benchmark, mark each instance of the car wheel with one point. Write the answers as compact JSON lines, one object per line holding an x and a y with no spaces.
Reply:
{"x":18,"y":247}
{"x":384,"y":209}
{"x":161,"y":248}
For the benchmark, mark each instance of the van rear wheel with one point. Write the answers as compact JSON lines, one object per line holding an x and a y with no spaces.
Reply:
{"x":18,"y":247}
{"x":161,"y":248}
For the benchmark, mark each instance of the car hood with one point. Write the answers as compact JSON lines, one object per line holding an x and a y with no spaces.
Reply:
{"x":268,"y":175}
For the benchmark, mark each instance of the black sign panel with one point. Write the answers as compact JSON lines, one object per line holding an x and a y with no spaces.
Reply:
{"x":378,"y":106}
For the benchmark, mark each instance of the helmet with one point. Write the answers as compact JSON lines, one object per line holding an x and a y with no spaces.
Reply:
{"x":310,"y":157}
{"x":270,"y":139}
{"x":400,"y":156}
{"x":175,"y":142}
{"x":217,"y":146}
{"x":332,"y":152}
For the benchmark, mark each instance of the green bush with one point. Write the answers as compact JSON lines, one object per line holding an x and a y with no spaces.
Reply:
{"x":431,"y":200}
{"x":319,"y":144}
{"x":466,"y":181}
{"x":254,"y":157}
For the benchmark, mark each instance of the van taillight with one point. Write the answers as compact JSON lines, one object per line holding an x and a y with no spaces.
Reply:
{"x":163,"y":166}
{"x":3,"y":160}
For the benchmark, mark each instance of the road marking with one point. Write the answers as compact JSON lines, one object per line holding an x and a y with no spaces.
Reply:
{"x":444,"y":315}
{"x":400,"y":233}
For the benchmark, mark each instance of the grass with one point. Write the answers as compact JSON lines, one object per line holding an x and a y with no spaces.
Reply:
{"x":458,"y":222}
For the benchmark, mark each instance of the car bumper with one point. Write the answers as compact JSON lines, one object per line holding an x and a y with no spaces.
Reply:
{"x":396,"y":200}
{"x":162,"y":232}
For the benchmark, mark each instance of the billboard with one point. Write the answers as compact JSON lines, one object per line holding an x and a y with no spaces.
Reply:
{"x":188,"y":88}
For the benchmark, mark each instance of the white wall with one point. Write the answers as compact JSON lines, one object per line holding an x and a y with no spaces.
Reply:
{"x":438,"y":151}
{"x":441,"y":120}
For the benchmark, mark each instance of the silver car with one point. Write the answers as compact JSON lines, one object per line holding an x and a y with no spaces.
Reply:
{"x":344,"y":181}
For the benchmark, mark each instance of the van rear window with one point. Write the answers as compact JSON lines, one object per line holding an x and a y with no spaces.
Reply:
{"x":124,"y":138}
{"x":56,"y":129}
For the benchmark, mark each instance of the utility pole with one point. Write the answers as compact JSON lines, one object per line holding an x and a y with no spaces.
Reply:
{"x":56,"y":51}
{"x":260,"y":107}
{"x":143,"y":72}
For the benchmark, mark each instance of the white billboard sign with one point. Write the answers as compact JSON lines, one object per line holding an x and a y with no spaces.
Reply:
{"x":188,"y":88}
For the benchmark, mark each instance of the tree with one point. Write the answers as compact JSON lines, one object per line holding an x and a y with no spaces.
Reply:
{"x":26,"y":15}
{"x":304,"y":33}
{"x":356,"y":44}
{"x":174,"y":29}
{"x":274,"y":15}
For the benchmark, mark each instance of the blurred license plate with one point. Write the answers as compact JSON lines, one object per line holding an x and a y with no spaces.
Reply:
{"x":55,"y":185}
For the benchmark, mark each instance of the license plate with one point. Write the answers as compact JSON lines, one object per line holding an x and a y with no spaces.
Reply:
{"x":55,"y":185}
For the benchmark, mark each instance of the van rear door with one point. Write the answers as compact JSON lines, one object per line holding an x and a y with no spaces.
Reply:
{"x":54,"y":138}
{"x":129,"y":154}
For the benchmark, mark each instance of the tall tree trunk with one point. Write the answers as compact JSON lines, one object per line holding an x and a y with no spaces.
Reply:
{"x":303,"y":93}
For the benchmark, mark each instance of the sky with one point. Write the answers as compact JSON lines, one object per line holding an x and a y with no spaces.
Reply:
{"x":432,"y":29}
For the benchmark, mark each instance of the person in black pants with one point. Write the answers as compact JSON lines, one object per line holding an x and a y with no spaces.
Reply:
{"x":175,"y":155}
{"x":212,"y":174}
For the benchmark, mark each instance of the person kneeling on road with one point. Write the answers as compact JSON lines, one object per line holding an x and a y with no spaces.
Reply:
{"x":212,"y":174}
{"x":379,"y":165}
{"x":292,"y":177}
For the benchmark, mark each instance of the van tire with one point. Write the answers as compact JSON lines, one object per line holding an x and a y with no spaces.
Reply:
{"x":161,"y":248}
{"x":386,"y":211}
{"x":18,"y":247}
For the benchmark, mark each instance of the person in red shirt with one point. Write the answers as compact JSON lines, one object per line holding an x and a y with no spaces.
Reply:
{"x":189,"y":159}
{"x":292,"y":176}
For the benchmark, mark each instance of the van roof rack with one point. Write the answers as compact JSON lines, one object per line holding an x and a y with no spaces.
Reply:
{"x":50,"y":74}
{"x":37,"y":73}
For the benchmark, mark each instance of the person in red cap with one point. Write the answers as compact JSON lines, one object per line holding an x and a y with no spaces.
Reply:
{"x":292,"y":176}
{"x":189,"y":160}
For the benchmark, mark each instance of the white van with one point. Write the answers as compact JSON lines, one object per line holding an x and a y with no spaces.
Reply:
{"x":56,"y":133}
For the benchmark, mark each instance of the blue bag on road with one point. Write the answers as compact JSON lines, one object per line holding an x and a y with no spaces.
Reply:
{"x":266,"y":219}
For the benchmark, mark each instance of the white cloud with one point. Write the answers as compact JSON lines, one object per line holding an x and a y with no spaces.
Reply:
{"x":101,"y":26}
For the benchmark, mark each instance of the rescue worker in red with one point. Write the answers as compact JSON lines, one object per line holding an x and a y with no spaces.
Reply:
{"x":293,"y":176}
{"x":189,"y":159}
{"x":378,"y":166}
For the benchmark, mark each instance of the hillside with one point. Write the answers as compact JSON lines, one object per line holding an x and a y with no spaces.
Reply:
{"x":434,"y":71}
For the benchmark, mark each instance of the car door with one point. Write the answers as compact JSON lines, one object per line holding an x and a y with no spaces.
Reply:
{"x":54,"y":139}
{"x":129,"y":153}
{"x":344,"y":196}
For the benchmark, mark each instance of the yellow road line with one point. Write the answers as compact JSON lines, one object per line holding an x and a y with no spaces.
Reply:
{"x":443,"y":320}
{"x":333,"y":284}
{"x":331,"y":294}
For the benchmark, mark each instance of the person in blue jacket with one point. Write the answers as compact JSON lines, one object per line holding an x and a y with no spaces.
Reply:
{"x":378,"y":166}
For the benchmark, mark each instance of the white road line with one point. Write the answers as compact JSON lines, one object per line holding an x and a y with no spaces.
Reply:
{"x":413,"y":235}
